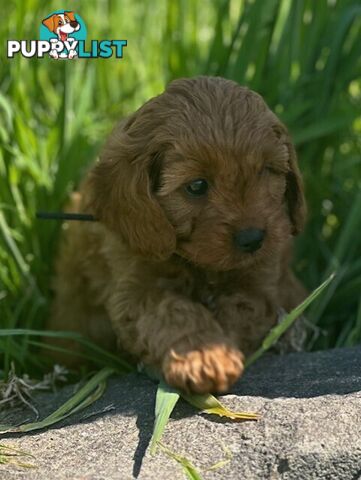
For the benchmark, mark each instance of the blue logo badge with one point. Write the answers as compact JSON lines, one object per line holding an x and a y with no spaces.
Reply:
{"x":63,"y":29}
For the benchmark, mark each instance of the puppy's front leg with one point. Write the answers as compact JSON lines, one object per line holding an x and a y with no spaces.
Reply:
{"x":247,"y":317}
{"x":181,"y":338}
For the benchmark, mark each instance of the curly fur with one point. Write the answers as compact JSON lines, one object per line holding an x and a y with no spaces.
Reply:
{"x":159,"y":275}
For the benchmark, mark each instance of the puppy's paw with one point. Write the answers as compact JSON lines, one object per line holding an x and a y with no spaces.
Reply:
{"x":72,"y":54}
{"x":210,"y":368}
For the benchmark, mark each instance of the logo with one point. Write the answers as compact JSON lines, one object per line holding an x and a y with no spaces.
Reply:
{"x":62,"y":36}
{"x":63,"y":31}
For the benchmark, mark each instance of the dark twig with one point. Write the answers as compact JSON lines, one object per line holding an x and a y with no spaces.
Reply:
{"x":84,"y":217}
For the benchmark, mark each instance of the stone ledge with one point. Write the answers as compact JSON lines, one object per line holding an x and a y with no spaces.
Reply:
{"x":310,"y":427}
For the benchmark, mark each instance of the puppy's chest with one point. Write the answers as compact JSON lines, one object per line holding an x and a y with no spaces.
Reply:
{"x":200,"y":288}
{"x":210,"y":287}
{"x":208,"y":297}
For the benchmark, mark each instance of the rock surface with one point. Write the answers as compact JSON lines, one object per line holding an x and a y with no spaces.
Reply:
{"x":310,"y":428}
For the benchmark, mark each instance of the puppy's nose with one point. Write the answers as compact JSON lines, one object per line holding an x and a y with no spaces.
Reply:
{"x":74,"y":24}
{"x":249,"y":240}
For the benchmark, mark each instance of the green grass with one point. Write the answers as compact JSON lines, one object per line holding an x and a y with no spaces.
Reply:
{"x":303,"y":56}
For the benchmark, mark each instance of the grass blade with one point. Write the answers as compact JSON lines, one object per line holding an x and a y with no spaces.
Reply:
{"x":210,"y":404}
{"x":188,"y":468}
{"x":12,"y":456}
{"x":166,"y":399}
{"x":87,"y":395}
{"x":221,"y":463}
{"x":115,"y":360}
{"x":280,"y":329}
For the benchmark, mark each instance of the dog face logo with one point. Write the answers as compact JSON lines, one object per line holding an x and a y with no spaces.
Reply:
{"x":62,"y":24}
{"x":62,"y":31}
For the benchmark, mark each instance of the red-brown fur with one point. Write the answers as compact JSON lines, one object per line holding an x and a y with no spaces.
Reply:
{"x":159,"y":274}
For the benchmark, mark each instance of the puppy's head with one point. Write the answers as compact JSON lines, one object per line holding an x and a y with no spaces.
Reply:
{"x":204,"y":170}
{"x":62,"y":24}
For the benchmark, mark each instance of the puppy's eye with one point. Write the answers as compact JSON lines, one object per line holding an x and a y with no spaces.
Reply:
{"x":268,"y":169}
{"x":60,"y":22}
{"x":197,"y":188}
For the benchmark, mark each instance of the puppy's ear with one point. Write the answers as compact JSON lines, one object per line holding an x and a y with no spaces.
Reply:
{"x":50,"y":23}
{"x":121,"y":195}
{"x":71,"y":16}
{"x":295,"y":192}
{"x":295,"y":198}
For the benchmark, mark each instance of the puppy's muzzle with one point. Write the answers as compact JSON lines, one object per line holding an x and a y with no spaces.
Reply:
{"x":249,"y":240}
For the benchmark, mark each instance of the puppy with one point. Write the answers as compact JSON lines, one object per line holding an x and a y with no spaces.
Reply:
{"x":62,"y":24}
{"x":198,"y":196}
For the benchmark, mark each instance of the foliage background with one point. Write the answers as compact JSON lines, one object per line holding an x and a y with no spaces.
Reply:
{"x":303,"y":56}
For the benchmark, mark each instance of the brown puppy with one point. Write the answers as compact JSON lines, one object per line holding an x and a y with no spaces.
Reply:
{"x":198,"y":195}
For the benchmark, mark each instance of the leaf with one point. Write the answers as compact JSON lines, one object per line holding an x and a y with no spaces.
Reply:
{"x":207,"y":403}
{"x":188,"y":468}
{"x":87,"y":395}
{"x":345,"y":248}
{"x":321,"y":128}
{"x":165,"y":402}
{"x":211,"y":405}
{"x":221,"y":463}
